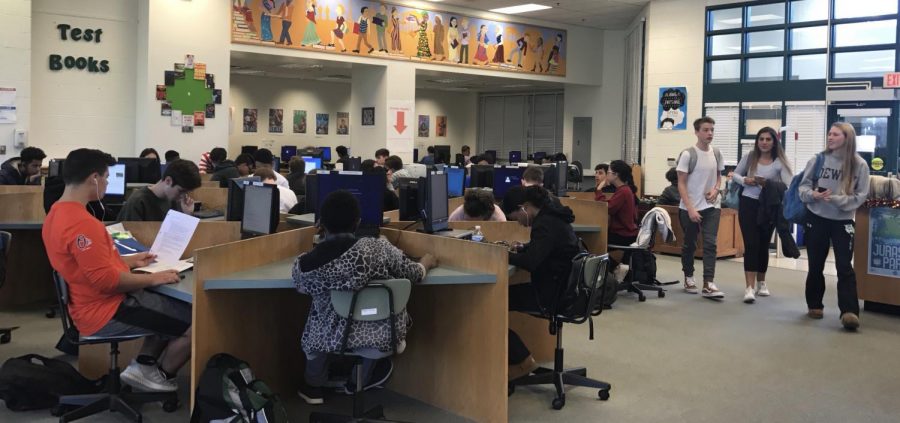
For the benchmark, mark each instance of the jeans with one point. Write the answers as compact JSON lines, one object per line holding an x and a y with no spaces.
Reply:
{"x":464,"y":53}
{"x":756,"y":236}
{"x":820,"y":232}
{"x":522,"y":297}
{"x":285,"y":32}
{"x":709,"y":225}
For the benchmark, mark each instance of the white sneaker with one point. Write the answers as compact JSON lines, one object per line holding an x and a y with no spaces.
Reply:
{"x":689,"y":286}
{"x":712,"y":291}
{"x":762,"y":289}
{"x":749,"y":298}
{"x":147,"y":378}
{"x":620,"y":271}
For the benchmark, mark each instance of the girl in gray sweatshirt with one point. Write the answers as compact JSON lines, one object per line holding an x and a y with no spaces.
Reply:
{"x":832,"y":197}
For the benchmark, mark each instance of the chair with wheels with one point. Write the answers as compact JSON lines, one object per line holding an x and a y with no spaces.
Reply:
{"x":593,"y":275}
{"x":639,"y":282}
{"x":115,"y":398}
{"x":576,"y":174}
{"x":5,"y":240}
{"x":378,"y":300}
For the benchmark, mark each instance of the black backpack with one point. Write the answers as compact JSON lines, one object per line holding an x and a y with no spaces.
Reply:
{"x":643,"y":267}
{"x":33,"y":382}
{"x":228,"y":392}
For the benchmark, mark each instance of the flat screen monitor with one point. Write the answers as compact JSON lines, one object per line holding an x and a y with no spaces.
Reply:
{"x":556,"y":178}
{"x":539,"y":155}
{"x":492,"y":155}
{"x":276,"y":163}
{"x":311,"y":200}
{"x":433,"y":197}
{"x":456,"y":181}
{"x":506,"y":177}
{"x":260,"y":209}
{"x":460,"y":160}
{"x":368,"y":190}
{"x":141,"y":170}
{"x":288,"y":152}
{"x":482,"y":176}
{"x":408,"y":194}
{"x":353,"y":163}
{"x":235,"y":203}
{"x":515,"y":156}
{"x":54,"y":168}
{"x":249,"y":149}
{"x":442,"y":154}
{"x":116,"y":185}
{"x":326,"y":154}
{"x":415,"y":155}
{"x":311,"y":163}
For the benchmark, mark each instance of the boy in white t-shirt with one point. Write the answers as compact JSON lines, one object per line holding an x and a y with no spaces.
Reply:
{"x":699,"y":177}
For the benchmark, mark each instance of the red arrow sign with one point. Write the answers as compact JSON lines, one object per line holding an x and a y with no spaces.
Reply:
{"x":399,"y":126}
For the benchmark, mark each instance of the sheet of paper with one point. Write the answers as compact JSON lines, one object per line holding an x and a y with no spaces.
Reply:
{"x":117,"y":227}
{"x":8,"y":114}
{"x":7,"y":96}
{"x":174,"y":235}
{"x":178,"y":266}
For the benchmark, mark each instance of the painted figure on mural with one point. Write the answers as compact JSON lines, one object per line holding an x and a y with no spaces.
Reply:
{"x":340,"y":28}
{"x":464,"y":41}
{"x":363,"y":24}
{"x":395,"y":31}
{"x":481,"y":50}
{"x":422,"y":49}
{"x":380,"y":21}
{"x":453,"y":39}
{"x":310,"y":36}
{"x":287,"y":17}
{"x":265,"y":21}
{"x":538,"y":51}
{"x":498,"y":52}
{"x":555,"y":55}
{"x":439,"y":36}
{"x":520,"y":51}
{"x":243,"y":8}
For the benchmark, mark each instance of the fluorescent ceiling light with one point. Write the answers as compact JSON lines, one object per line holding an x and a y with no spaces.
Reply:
{"x":522,"y":8}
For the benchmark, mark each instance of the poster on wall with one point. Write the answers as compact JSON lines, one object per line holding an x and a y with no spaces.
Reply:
{"x":165,"y":109}
{"x":299,"y":121}
{"x":370,"y":28}
{"x":187,"y":123}
{"x":368,"y":116}
{"x":399,"y":121}
{"x":424,"y":125}
{"x":343,"y":123}
{"x":884,"y":242}
{"x":7,"y":105}
{"x":250,"y":120}
{"x":440,"y":126}
{"x":672,"y":109}
{"x":276,"y":121}
{"x":160,"y":92}
{"x":321,"y":123}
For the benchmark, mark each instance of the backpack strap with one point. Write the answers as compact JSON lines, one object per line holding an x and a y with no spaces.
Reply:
{"x":692,"y":158}
{"x":719,"y":159}
{"x":817,"y":169}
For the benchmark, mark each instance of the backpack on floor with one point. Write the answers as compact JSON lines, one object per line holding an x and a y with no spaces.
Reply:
{"x":794,"y":209}
{"x":33,"y":382}
{"x":228,"y":392}
{"x":643,"y":267}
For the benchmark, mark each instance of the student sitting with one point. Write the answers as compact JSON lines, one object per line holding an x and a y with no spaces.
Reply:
{"x":23,"y":170}
{"x":297,"y":177}
{"x":343,"y":155}
{"x":286,"y":197}
{"x":670,"y":195}
{"x":478,"y":205}
{"x":600,"y":183}
{"x":223,"y":169}
{"x":172,"y":155}
{"x":623,"y":227}
{"x":171,"y":192}
{"x":381,"y":156}
{"x":265,"y":159}
{"x":345,"y":263}
{"x":429,"y":158}
{"x":395,"y":166}
{"x":245,"y":165}
{"x":149,"y":153}
{"x":533,"y":176}
{"x":106,"y":298}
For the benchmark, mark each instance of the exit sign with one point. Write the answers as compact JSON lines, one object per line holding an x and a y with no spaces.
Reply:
{"x":892,"y":80}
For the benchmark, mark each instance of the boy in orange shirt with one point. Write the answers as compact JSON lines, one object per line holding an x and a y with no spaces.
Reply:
{"x":106,"y":299}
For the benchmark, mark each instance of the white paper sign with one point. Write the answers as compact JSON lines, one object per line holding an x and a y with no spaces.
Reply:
{"x":400,"y":128}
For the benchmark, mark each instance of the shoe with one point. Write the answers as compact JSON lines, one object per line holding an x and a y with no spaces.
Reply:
{"x":355,"y":51}
{"x":371,"y":50}
{"x":815,"y":313}
{"x":620,"y":272}
{"x":712,"y":291}
{"x":382,"y":372}
{"x":689,"y":286}
{"x":749,"y":298}
{"x":850,"y":321}
{"x":522,"y":369}
{"x":147,"y":378}
{"x":313,"y":395}
{"x":761,"y":289}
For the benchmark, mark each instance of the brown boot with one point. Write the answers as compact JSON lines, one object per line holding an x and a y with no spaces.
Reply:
{"x":815,"y":313}
{"x":850,"y":321}
{"x":524,"y":368}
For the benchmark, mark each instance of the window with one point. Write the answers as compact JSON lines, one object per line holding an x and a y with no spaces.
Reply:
{"x":809,"y":10}
{"x":808,"y":38}
{"x":864,"y":64}
{"x":765,"y":69}
{"x":808,"y":66}
{"x":764,"y":41}
{"x":726,"y":136}
{"x":760,"y":115}
{"x":865,"y":33}
{"x":526,"y":123}
{"x":721,"y":71}
{"x":766,"y":14}
{"x":808,"y":120}
{"x":844,"y":9}
{"x":725,"y":44}
{"x":725,"y":19}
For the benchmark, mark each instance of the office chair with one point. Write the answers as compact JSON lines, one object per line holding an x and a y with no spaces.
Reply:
{"x":576,"y":174}
{"x":630,"y":283}
{"x":5,"y":240}
{"x":594,"y":276}
{"x":114,"y":397}
{"x":378,"y":300}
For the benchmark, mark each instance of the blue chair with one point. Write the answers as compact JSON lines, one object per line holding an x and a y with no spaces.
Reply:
{"x":114,"y":398}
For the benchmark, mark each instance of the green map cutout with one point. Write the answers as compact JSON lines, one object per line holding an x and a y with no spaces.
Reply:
{"x":189,"y":95}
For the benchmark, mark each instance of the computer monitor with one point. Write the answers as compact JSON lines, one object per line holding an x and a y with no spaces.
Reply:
{"x":415,"y":155}
{"x":311,"y":199}
{"x":456,"y":181}
{"x":515,"y":156}
{"x":260,"y":209}
{"x":288,"y":152}
{"x":276,"y":163}
{"x":460,"y":160}
{"x":506,"y":177}
{"x":311,"y":163}
{"x":326,"y":153}
{"x":353,"y":163}
{"x":433,"y":200}
{"x":368,"y":189}
{"x":482,"y":176}
{"x":249,"y":149}
{"x":492,"y":155}
{"x":442,"y":154}
{"x":234,"y":210}
{"x":556,"y":178}
{"x":116,"y":181}
{"x":539,"y":155}
{"x":138,"y":170}
{"x":55,"y":168}
{"x":408,"y":194}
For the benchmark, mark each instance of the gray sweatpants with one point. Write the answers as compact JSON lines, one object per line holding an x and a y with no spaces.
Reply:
{"x":709,"y":225}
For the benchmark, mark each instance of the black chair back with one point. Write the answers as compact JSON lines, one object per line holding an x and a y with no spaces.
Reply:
{"x":62,"y":295}
{"x":593,"y":274}
{"x":5,"y":241}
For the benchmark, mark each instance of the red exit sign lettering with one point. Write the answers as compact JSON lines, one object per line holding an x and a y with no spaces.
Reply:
{"x":892,"y":80}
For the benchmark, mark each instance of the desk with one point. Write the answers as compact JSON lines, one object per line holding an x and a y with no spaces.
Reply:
{"x":591,"y":217}
{"x":309,"y":219}
{"x":212,"y":198}
{"x":729,"y":242}
{"x":29,"y":275}
{"x":21,"y":224}
{"x":581,"y":228}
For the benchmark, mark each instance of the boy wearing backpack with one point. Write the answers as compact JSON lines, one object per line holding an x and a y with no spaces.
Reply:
{"x":699,"y":177}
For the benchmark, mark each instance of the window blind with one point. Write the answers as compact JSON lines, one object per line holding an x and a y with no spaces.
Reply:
{"x":727,"y":130}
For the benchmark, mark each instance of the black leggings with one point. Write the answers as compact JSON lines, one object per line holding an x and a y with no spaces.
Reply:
{"x":615,"y":239}
{"x":756,"y":236}
{"x":819,"y":233}
{"x":522,"y":297}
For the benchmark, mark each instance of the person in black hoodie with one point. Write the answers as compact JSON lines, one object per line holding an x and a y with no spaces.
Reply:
{"x":23,"y":170}
{"x":548,"y":256}
{"x":223,"y":169}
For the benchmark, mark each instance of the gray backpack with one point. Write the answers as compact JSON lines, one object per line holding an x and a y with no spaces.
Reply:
{"x":693,"y":158}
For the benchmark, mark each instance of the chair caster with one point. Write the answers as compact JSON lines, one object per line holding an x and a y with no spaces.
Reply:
{"x":559,"y":403}
{"x":59,"y":410}
{"x":642,"y":298}
{"x":603,"y":394}
{"x":50,"y":314}
{"x":661,"y":294}
{"x":170,"y":406}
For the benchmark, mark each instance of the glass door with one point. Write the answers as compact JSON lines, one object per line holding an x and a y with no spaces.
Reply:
{"x":876,"y":124}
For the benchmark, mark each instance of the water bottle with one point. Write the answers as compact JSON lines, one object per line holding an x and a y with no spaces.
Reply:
{"x":477,"y":236}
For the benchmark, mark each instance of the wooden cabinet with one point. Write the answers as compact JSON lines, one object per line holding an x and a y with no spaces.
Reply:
{"x":729,"y":242}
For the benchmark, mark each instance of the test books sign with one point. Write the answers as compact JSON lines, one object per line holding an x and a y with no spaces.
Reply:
{"x":884,"y":242}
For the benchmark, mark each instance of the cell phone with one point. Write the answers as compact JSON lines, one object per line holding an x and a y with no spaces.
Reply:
{"x":820,"y":189}
{"x":759,"y":178}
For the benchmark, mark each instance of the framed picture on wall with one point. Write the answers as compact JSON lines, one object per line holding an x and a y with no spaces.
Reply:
{"x":440,"y":129}
{"x":250,"y":120}
{"x":368,"y":116}
{"x":321,"y":123}
{"x":424,"y":125}
{"x":343,"y":123}
{"x":299,"y":121}
{"x":276,"y":121}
